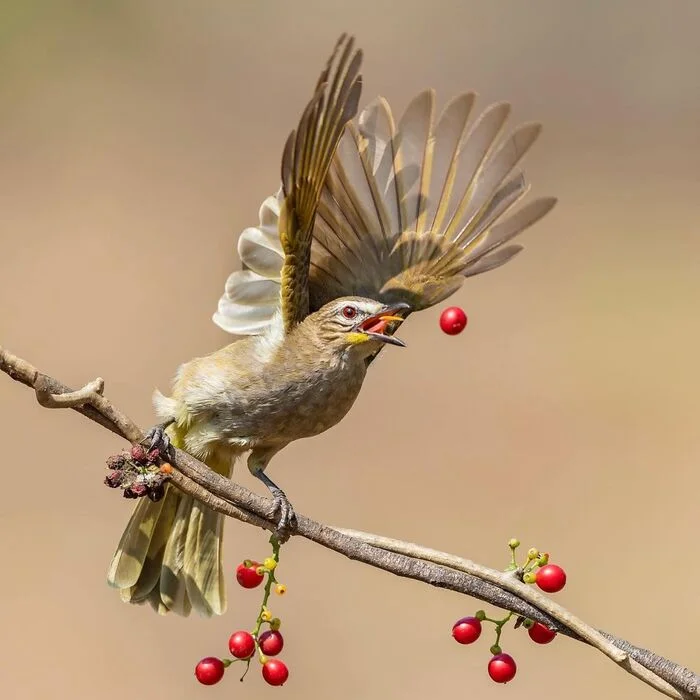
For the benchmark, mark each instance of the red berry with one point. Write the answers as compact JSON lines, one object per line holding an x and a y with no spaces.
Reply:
{"x":241,"y":644}
{"x":275,"y":672}
{"x":502,"y":668}
{"x":453,"y":320}
{"x":271,"y":642}
{"x":247,"y":576}
{"x":541,"y":634}
{"x":551,"y":578}
{"x":466,"y":630}
{"x":209,"y":671}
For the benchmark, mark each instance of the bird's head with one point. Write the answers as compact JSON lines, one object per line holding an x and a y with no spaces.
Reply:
{"x":357,"y":322}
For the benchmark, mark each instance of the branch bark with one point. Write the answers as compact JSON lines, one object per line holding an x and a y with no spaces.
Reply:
{"x":440,"y":569}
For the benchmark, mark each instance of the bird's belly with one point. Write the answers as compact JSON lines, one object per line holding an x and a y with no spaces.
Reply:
{"x":297,"y":410}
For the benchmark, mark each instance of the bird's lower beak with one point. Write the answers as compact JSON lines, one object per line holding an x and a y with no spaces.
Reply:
{"x":381,"y":326}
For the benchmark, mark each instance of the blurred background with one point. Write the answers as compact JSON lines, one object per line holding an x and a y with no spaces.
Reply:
{"x":138,"y":138}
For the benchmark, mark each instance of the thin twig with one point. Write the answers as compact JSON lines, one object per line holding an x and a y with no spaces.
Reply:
{"x":394,"y":556}
{"x":503,"y":579}
{"x":510,"y":583}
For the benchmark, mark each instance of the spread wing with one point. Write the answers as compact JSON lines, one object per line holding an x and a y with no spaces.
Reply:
{"x":307,"y":157}
{"x":408,"y":210}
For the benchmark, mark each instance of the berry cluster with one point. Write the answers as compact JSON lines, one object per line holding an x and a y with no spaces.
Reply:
{"x":242,"y":644}
{"x":138,"y":473}
{"x":536,"y":569}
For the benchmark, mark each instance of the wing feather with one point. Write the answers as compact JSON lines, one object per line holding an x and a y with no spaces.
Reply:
{"x":306,"y":160}
{"x":394,"y":209}
{"x":448,"y":137}
{"x":414,"y":157}
{"x":474,"y":149}
{"x":495,"y":170}
{"x":447,"y":186}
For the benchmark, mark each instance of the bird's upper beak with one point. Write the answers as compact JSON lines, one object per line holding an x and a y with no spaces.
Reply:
{"x":380,"y":326}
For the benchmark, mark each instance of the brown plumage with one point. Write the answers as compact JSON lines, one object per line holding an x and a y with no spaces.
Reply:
{"x":306,"y":159}
{"x":373,"y":220}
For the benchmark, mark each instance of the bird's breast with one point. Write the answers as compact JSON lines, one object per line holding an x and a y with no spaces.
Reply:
{"x":290,"y":402}
{"x":311,"y":404}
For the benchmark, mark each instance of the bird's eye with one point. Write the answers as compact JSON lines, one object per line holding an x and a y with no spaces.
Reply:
{"x":349,"y":311}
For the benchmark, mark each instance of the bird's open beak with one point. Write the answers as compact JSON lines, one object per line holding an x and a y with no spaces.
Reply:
{"x":380,"y":326}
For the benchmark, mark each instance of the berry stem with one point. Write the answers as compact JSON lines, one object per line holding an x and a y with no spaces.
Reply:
{"x":499,"y":626}
{"x":513,"y":562}
{"x":263,"y":606}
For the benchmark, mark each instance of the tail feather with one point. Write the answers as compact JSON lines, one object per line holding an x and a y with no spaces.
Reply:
{"x":133,"y":546}
{"x":203,"y":574}
{"x":173,"y":590}
{"x":170,"y":553}
{"x":151,"y":570}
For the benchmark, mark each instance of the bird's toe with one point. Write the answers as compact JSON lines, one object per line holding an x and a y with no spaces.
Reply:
{"x":158,"y":439}
{"x":283,"y":512}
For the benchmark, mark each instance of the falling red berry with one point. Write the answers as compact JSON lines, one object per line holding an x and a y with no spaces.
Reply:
{"x":551,"y":578}
{"x":541,"y":634}
{"x":453,"y":320}
{"x":502,"y":668}
{"x":271,"y":643}
{"x":248,"y":576}
{"x":275,"y":672}
{"x":241,"y":644}
{"x":466,"y":630}
{"x":209,"y":671}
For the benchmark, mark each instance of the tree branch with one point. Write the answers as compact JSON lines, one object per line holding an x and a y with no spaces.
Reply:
{"x":440,"y":569}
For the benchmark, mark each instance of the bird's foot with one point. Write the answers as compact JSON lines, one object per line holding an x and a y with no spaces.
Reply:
{"x":157,"y":439}
{"x":283,"y":511}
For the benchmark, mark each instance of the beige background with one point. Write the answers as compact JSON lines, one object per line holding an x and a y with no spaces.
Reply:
{"x":138,"y":138}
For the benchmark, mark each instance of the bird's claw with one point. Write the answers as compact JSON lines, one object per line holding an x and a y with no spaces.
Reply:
{"x":283,"y":511}
{"x":158,"y":439}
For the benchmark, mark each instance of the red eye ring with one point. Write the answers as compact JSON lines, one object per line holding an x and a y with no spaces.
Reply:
{"x":349,"y":312}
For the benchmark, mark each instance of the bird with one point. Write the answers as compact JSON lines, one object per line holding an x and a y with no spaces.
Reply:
{"x":374,"y":219}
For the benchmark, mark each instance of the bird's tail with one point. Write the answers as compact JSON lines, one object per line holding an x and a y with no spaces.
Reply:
{"x":170,"y":553}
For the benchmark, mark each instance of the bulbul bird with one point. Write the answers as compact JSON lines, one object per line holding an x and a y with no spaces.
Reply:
{"x":373,"y":221}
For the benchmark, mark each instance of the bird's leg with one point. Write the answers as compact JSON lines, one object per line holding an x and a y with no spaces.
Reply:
{"x":281,"y":507}
{"x":159,"y":439}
